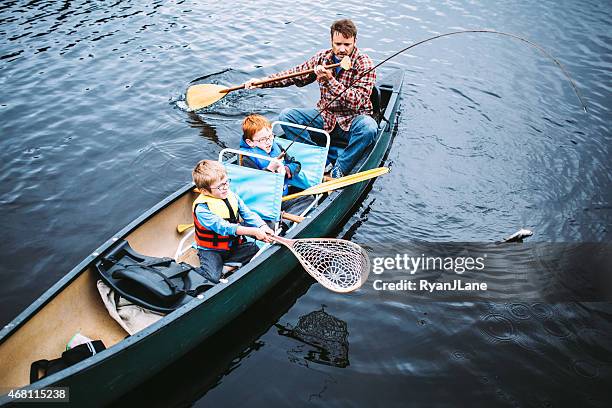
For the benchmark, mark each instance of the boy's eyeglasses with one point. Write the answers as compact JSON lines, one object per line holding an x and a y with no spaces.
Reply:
{"x":222,"y":186}
{"x":265,"y":139}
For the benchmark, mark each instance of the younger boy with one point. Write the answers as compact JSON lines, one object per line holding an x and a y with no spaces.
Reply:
{"x":257,"y":137}
{"x":216,"y":215}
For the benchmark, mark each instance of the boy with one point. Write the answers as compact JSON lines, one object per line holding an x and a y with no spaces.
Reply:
{"x":257,"y":137}
{"x":216,"y":215}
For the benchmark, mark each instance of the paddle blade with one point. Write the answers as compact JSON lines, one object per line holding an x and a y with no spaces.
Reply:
{"x":183,"y":227}
{"x":201,"y":95}
{"x":341,"y":182}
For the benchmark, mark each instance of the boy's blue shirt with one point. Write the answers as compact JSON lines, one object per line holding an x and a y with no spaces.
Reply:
{"x":294,"y":167}
{"x":223,"y":227}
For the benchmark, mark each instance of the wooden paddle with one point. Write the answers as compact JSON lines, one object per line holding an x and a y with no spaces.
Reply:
{"x":285,"y":215}
{"x":201,"y":95}
{"x":339,"y":183}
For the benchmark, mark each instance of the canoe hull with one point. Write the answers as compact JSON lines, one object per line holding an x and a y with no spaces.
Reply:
{"x":103,"y":378}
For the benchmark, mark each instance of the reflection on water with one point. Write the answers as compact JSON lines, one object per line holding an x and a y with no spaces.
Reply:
{"x":207,"y":131}
{"x":489,"y":139}
{"x":326,"y":335}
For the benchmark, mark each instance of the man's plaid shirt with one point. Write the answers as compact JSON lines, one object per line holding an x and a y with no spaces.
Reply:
{"x":355,"y":101}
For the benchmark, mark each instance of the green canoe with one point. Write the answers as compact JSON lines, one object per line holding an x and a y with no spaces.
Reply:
{"x":73,"y":304}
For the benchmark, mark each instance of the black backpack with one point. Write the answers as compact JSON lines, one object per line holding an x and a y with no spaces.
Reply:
{"x":69,"y":357}
{"x":159,"y":284}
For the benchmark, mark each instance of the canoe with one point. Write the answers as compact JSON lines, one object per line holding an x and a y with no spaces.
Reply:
{"x":73,"y":304}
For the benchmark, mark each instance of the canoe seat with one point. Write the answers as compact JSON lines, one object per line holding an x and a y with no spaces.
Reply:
{"x":262,"y":190}
{"x":376,"y":103}
{"x":159,"y":284}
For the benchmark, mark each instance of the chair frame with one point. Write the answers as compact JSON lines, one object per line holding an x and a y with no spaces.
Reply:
{"x":308,"y":128}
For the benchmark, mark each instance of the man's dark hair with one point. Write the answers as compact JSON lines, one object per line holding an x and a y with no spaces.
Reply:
{"x":345,"y":27}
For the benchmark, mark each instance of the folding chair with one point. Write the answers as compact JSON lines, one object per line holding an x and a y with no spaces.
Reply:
{"x":260,"y":190}
{"x":312,"y":157}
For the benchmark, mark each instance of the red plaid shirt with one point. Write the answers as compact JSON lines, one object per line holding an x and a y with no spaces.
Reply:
{"x":355,"y":101}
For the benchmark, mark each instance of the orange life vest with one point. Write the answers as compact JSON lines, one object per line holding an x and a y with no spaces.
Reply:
{"x":226,"y":209}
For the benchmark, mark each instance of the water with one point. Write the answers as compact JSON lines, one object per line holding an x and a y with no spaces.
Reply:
{"x":490,"y":138}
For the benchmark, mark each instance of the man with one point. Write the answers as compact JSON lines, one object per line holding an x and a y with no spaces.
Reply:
{"x":348,"y":119}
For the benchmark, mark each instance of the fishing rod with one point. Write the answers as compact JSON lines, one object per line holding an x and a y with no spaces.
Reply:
{"x":541,"y":49}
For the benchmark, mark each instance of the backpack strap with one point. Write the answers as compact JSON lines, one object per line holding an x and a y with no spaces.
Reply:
{"x":69,"y":358}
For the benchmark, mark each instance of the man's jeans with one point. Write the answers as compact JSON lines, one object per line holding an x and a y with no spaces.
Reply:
{"x":360,"y":136}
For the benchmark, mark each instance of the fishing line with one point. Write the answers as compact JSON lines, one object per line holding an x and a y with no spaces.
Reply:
{"x":541,"y":49}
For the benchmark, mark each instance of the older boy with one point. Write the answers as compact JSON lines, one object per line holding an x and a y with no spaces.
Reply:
{"x":257,"y":137}
{"x":216,"y":215}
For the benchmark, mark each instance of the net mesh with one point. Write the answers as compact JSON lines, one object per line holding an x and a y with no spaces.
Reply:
{"x":339,"y":265}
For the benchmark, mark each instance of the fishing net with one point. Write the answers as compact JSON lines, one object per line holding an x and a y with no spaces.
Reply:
{"x":339,"y":265}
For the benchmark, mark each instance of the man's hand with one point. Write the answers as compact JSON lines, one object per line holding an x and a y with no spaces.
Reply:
{"x":323,"y":74}
{"x":249,"y":84}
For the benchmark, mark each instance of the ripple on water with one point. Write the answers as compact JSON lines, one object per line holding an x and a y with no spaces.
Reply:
{"x":498,"y":328}
{"x":519,"y":311}
{"x":586,"y":369}
{"x":542,"y":311}
{"x":163,"y":164}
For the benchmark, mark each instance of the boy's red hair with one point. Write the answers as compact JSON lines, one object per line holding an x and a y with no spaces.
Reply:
{"x":253,"y":124}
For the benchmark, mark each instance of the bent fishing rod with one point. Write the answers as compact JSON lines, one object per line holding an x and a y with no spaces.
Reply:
{"x":541,"y":49}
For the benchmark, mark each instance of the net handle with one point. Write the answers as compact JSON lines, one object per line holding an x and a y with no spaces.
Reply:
{"x":289,"y":243}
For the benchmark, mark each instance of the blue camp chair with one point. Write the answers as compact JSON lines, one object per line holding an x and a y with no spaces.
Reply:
{"x":312,"y":157}
{"x":260,"y":190}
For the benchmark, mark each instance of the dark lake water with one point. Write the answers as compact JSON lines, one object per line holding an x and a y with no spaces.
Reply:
{"x":491,"y":138}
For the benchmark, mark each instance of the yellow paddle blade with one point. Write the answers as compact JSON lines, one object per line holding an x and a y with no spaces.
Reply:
{"x":183,"y":227}
{"x":339,"y":182}
{"x":201,"y":95}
